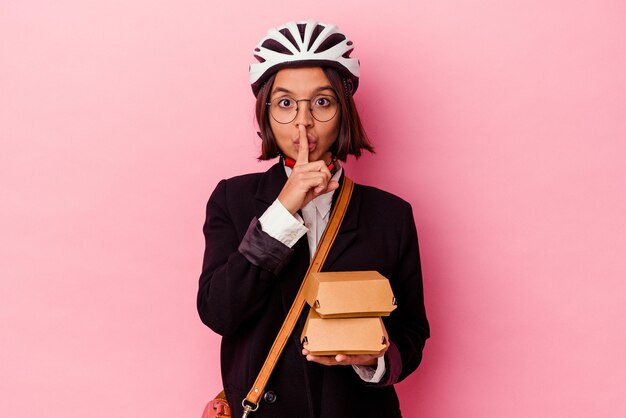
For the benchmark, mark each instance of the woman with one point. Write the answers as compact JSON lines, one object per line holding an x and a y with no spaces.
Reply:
{"x":257,"y":254}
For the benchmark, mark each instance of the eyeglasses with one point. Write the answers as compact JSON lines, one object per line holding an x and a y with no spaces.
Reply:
{"x":285,"y":109}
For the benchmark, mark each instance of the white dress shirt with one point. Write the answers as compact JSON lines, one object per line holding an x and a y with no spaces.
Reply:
{"x":280,"y":224}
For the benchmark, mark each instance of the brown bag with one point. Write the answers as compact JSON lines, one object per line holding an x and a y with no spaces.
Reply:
{"x":218,"y":407}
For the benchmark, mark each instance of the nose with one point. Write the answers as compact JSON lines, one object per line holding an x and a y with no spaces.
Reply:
{"x":303,"y":115}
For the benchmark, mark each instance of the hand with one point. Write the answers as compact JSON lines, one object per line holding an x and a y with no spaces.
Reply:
{"x":307,"y":180}
{"x":345,"y":359}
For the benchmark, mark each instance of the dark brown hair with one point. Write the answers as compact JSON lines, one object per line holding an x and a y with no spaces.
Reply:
{"x":352,"y":138}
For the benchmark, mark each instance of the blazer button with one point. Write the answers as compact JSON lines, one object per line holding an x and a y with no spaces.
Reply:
{"x":269,"y":397}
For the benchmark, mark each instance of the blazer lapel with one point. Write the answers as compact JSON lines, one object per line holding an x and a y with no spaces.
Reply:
{"x":347,"y":230}
{"x":270,"y":185}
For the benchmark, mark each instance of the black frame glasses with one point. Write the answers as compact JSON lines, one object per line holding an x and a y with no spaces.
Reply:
{"x":283,"y":115}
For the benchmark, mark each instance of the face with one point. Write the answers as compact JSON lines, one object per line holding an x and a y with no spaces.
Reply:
{"x":297,"y":84}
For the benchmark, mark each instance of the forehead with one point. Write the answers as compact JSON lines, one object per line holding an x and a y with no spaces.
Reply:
{"x":304,"y":80}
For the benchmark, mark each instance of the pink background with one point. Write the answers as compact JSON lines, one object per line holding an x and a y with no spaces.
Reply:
{"x":502,"y":122}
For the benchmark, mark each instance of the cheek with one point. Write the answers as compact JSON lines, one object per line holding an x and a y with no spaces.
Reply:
{"x":282,"y":136}
{"x":333,"y":131}
{"x":275,"y":129}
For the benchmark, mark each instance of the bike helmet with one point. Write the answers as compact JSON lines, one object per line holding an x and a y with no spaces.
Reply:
{"x":300,"y":44}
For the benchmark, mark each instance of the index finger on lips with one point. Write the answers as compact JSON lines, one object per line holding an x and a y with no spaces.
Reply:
{"x":303,"y":144}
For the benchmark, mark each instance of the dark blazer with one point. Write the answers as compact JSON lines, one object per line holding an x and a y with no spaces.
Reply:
{"x":249,"y":280}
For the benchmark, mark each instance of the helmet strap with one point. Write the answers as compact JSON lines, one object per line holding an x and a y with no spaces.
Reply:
{"x":348,"y":86}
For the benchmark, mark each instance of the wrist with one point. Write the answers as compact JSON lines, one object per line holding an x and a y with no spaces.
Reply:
{"x":371,"y":362}
{"x":288,"y":205}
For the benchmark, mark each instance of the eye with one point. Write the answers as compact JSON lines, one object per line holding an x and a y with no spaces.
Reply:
{"x":322,"y":101}
{"x":286,"y":103}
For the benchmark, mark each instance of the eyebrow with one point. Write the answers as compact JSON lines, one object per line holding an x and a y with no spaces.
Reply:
{"x":284,"y":90}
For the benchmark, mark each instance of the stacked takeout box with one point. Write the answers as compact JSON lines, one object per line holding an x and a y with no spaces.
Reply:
{"x":346,"y":311}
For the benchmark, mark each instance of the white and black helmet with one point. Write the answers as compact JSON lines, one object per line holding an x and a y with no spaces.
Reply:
{"x":298,"y":44}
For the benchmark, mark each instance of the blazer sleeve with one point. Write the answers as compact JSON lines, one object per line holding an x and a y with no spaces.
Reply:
{"x":407,"y":326}
{"x":238,"y":272}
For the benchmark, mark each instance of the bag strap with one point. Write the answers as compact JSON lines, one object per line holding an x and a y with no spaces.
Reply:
{"x":251,"y":402}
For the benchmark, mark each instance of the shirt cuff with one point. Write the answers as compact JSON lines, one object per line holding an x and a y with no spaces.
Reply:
{"x":262,"y":250}
{"x":369,"y":374}
{"x":281,"y":225}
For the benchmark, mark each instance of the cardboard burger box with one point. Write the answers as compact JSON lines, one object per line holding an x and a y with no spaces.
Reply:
{"x":343,"y":335}
{"x":347,"y":294}
{"x":346,"y":310}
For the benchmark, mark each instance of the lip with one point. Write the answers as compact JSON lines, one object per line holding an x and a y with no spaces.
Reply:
{"x":312,"y":145}
{"x":310,"y":139}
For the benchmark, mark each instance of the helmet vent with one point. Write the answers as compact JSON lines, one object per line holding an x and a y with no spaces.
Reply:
{"x":316,"y":32}
{"x":287,"y":34}
{"x":347,"y":54}
{"x":331,"y":41}
{"x":276,"y":46}
{"x":301,"y":29}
